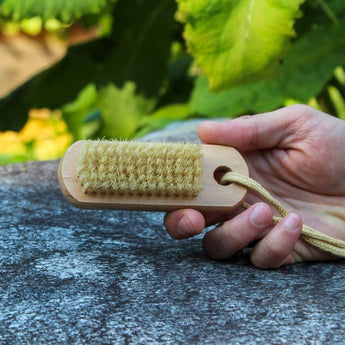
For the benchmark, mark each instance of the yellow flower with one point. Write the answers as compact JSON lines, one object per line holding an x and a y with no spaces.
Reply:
{"x":44,"y":136}
{"x":10,"y":143}
{"x":52,"y":148}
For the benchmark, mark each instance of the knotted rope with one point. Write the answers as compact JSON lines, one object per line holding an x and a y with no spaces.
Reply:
{"x":310,"y":235}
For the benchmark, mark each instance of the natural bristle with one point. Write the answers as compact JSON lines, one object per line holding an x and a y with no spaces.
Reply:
{"x":138,"y":168}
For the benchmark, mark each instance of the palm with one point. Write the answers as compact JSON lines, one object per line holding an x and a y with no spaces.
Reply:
{"x":285,"y":175}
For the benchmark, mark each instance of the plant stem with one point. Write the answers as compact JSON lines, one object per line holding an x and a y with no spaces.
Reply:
{"x":329,"y":12}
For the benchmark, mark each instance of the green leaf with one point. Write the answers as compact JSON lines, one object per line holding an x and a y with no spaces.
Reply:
{"x":74,"y":113}
{"x":172,"y":112}
{"x":308,"y":66}
{"x":64,"y":10}
{"x":337,"y":100}
{"x":137,"y":51}
{"x":162,"y":117}
{"x":121,"y":110}
{"x":108,"y":113}
{"x":237,"y":41}
{"x":247,"y":98}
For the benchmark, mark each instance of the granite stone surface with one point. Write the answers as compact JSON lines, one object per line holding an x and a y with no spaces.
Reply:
{"x":71,"y":276}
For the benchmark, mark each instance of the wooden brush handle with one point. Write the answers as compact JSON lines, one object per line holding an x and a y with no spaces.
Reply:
{"x":214,"y":197}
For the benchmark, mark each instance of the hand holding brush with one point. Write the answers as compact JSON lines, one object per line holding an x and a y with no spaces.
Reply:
{"x":298,"y":154}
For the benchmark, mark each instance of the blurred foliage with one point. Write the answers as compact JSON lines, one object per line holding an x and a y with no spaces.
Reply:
{"x":44,"y":136}
{"x":63,"y":10}
{"x":160,"y":61}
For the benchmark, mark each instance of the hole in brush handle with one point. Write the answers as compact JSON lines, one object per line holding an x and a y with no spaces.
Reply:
{"x":213,"y":196}
{"x":219,"y":174}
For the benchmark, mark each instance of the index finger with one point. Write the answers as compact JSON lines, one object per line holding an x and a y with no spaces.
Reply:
{"x":261,"y":131}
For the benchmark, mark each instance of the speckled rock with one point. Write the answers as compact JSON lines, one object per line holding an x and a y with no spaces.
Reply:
{"x":71,"y":276}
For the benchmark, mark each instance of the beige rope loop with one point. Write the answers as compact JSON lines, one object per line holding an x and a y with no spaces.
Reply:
{"x":317,"y":239}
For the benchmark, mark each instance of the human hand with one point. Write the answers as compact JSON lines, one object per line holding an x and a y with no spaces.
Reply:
{"x":297,"y":153}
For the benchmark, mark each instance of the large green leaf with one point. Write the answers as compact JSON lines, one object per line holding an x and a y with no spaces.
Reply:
{"x":121,"y":110}
{"x":308,"y":66}
{"x":66,"y":10}
{"x":237,"y":41}
{"x":137,"y":51}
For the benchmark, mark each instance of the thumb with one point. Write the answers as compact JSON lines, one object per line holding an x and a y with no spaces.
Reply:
{"x":248,"y":133}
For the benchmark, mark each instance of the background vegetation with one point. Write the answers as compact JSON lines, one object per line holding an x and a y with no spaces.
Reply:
{"x":156,"y":61}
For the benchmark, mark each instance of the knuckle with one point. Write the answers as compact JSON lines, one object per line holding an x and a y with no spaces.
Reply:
{"x":267,"y":257}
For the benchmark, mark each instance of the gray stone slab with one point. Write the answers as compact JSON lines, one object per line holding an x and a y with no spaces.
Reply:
{"x":71,"y":276}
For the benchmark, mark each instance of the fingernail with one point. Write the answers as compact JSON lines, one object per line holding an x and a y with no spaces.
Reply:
{"x":259,"y":216}
{"x":292,"y":222}
{"x":210,"y":124}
